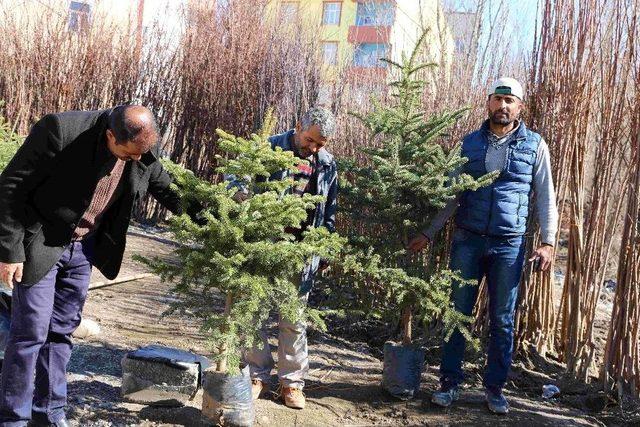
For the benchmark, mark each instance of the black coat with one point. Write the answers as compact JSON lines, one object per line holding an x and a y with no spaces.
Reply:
{"x":48,"y":185}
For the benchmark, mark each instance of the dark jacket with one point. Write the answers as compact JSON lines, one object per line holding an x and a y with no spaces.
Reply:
{"x":48,"y":185}
{"x":327,"y":184}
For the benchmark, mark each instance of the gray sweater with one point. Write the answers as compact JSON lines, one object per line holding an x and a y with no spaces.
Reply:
{"x":545,"y":196}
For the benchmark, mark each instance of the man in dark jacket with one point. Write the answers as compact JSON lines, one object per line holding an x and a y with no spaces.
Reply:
{"x":319,"y":177}
{"x":65,"y":204}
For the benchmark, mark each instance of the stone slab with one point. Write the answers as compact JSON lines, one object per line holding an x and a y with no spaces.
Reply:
{"x":156,"y":375}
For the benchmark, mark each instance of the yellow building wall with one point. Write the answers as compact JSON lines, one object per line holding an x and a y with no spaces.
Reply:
{"x":339,"y":33}
{"x":310,"y":12}
{"x":411,"y":17}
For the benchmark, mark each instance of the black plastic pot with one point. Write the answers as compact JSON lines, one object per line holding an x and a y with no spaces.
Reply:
{"x":402,"y":369}
{"x":227,"y":398}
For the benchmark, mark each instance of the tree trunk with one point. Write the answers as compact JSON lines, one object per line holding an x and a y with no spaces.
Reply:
{"x":407,"y":314}
{"x":407,"y":317}
{"x":221,"y":365}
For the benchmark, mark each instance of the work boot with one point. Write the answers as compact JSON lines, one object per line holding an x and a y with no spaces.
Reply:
{"x":445,"y":397}
{"x":293,"y":397}
{"x":496,"y":402}
{"x":256,"y":388}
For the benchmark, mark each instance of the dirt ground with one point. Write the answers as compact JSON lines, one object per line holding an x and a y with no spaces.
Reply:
{"x":343,"y":384}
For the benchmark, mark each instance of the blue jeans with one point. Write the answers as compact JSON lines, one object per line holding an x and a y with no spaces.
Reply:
{"x":500,"y":259}
{"x":43,"y":317}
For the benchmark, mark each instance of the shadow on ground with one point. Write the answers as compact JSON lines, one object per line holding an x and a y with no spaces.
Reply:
{"x":96,"y":358}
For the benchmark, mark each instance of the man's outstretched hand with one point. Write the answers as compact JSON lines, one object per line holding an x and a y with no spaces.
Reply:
{"x":323,"y":265}
{"x":10,"y":272}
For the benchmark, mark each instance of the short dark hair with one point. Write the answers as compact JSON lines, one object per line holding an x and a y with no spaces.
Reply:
{"x":124,"y":129}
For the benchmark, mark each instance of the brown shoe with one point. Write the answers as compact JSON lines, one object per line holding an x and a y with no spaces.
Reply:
{"x":256,"y":388}
{"x":293,"y":397}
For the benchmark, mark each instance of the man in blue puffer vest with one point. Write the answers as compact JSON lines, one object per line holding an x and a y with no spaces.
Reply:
{"x":489,"y":240}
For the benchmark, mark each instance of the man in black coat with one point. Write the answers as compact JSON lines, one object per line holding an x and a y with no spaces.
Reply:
{"x":65,"y":204}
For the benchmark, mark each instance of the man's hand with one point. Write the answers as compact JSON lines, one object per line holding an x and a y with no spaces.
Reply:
{"x":418,"y":243}
{"x":323,"y":265}
{"x":240,"y":196}
{"x":10,"y":272}
{"x":544,"y":255}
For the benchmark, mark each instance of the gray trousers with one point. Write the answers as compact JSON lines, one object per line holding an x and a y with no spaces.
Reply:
{"x":293,"y":355}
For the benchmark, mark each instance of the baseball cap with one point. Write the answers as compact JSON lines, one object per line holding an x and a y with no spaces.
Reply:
{"x":507,"y":86}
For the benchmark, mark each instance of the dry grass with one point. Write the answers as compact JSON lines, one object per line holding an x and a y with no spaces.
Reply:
{"x":621,"y":368}
{"x":580,"y":77}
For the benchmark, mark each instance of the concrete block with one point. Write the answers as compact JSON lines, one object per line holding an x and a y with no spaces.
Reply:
{"x":161,"y":375}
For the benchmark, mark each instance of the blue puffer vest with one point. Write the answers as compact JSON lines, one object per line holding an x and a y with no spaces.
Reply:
{"x":502,"y":208}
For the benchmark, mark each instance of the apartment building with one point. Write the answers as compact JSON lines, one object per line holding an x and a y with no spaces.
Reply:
{"x":80,"y":15}
{"x":356,"y":33}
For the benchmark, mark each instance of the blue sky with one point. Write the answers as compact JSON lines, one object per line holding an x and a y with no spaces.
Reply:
{"x":523,"y":14}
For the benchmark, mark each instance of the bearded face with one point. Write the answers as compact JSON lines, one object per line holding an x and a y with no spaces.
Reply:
{"x":503,"y":109}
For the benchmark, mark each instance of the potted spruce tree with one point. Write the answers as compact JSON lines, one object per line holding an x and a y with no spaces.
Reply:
{"x":237,"y":262}
{"x":390,"y":196}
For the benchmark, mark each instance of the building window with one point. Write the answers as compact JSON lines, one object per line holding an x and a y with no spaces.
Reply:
{"x":330,"y":53}
{"x":331,"y":13}
{"x":375,"y":13}
{"x":79,"y":15}
{"x":288,"y":11}
{"x":368,"y":55}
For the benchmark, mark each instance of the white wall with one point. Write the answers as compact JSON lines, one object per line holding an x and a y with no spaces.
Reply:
{"x":412,"y":16}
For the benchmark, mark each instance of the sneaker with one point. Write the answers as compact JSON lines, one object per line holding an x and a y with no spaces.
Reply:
{"x":293,"y":397}
{"x":445,"y":398}
{"x":497,"y":403}
{"x":256,"y":388}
